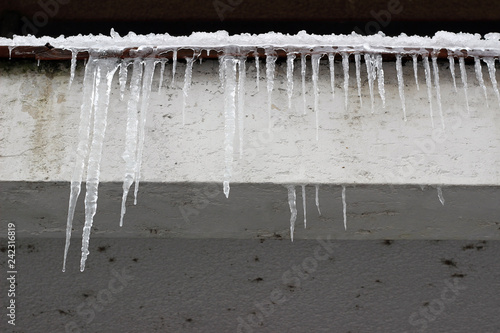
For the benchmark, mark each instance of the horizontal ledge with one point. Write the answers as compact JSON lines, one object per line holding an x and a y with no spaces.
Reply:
{"x":48,"y":52}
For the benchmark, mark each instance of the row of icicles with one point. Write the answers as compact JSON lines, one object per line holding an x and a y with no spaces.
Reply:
{"x":97,"y":84}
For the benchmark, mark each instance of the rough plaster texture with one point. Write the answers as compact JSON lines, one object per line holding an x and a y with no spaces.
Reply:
{"x":354,"y":146}
{"x":187,"y":285}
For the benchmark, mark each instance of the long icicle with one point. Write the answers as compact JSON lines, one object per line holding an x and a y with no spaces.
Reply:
{"x":187,"y":85}
{"x":415,"y":69}
{"x":479,"y":76}
{"x":463,"y":77}
{"x":490,"y":61}
{"x":370,"y":71}
{"x":106,"y":69}
{"x":174,"y":66}
{"x":147,"y":81}
{"x":163,"y":63}
{"x":345,"y":66}
{"x":122,"y":77}
{"x":303,"y":65}
{"x":290,"y":57}
{"x":230,"y":118}
{"x":292,"y":202}
{"x":399,"y":70}
{"x":438,"y":88}
{"x":428,"y":82}
{"x":304,"y":205}
{"x":357,"y":61}
{"x":242,"y":75}
{"x":130,"y":153}
{"x":74,"y":53}
{"x":270,"y":68}
{"x":257,"y":71}
{"x":82,"y":150}
{"x":344,"y":207}
{"x":315,"y":59}
{"x":451,"y":60}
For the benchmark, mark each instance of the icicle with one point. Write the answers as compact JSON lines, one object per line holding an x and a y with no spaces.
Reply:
{"x":292,"y":198}
{"x":399,"y":70}
{"x":106,"y":69}
{"x":242,"y":75}
{"x":331,"y":62}
{"x":438,"y":88}
{"x":357,"y":61}
{"x":82,"y":150}
{"x":163,"y":62}
{"x":415,"y":69}
{"x":463,"y":76}
{"x":221,"y":71}
{"x":257,"y":71}
{"x":370,"y":71}
{"x":345,"y":66}
{"x":174,"y":66}
{"x":38,"y":62}
{"x":440,"y":195}
{"x":492,"y":71}
{"x":270,"y":68}
{"x":380,"y":77}
{"x":344,"y":207}
{"x":428,"y":82}
{"x":290,"y":57}
{"x":10,"y":51}
{"x":122,"y":77}
{"x":74,"y":53}
{"x":304,"y":205}
{"x":479,"y":75}
{"x":187,"y":85}
{"x":130,"y":153}
{"x":451,"y":60}
{"x":303,"y":65}
{"x":315,"y":58}
{"x":229,"y":115}
{"x":147,"y":81}
{"x":317,"y":199}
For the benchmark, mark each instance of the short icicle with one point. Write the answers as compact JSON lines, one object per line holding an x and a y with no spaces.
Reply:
{"x":344,"y":207}
{"x":292,"y":202}
{"x":438,"y":88}
{"x":428,"y":82}
{"x":174,"y":66}
{"x":317,"y":199}
{"x":86,"y":114}
{"x":331,"y":62}
{"x":315,"y":59}
{"x":451,"y":60}
{"x":122,"y":77}
{"x":304,"y":205}
{"x":370,"y":71}
{"x":463,"y":77}
{"x":242,"y":75}
{"x":229,"y":64}
{"x":147,"y":81}
{"x":257,"y":71}
{"x":357,"y":61}
{"x":345,"y":66}
{"x":187,"y":85}
{"x":490,"y":62}
{"x":130,"y":153}
{"x":399,"y":71}
{"x":163,"y":63}
{"x":303,"y":65}
{"x":440,"y":195}
{"x":106,"y":69}
{"x":290,"y":58}
{"x":479,"y":75}
{"x":74,"y":53}
{"x":415,"y":69}
{"x":380,"y":77}
{"x":270,"y":68}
